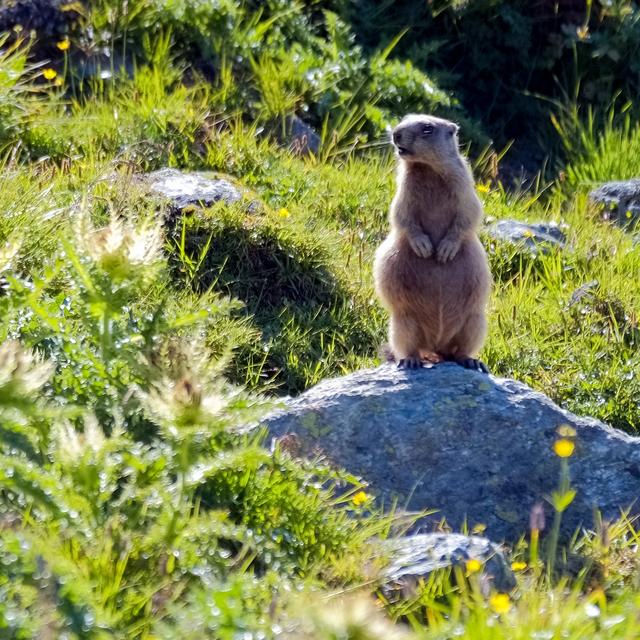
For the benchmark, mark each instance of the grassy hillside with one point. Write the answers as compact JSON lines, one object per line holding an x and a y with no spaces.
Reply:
{"x":132,"y":351}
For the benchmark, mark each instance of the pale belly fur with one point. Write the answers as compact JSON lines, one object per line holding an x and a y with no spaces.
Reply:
{"x":439,"y":296}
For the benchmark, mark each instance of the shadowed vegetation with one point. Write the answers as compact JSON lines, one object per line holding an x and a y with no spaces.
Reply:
{"x":137,"y":347}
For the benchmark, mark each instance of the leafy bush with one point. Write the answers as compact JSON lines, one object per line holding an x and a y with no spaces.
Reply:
{"x":124,"y":461}
{"x":266,"y":63}
{"x":507,"y":61}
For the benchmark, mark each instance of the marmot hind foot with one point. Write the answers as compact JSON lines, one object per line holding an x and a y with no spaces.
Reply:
{"x":471,"y":363}
{"x":410,"y":363}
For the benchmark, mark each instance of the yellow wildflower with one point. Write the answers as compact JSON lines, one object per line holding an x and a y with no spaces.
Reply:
{"x":360,"y":498}
{"x":518,"y":566}
{"x":479,"y":528}
{"x":566,"y":431}
{"x":473,"y":566}
{"x":500,"y":603}
{"x":527,"y":233}
{"x":49,"y":74}
{"x":284,"y":213}
{"x":63,"y":45}
{"x":483,"y":188}
{"x":59,"y":81}
{"x":563,"y":448}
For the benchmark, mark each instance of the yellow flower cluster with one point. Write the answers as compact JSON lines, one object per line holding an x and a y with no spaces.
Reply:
{"x":500,"y":603}
{"x":360,"y":498}
{"x":565,"y":445}
{"x":473,"y":566}
{"x":563,"y":448}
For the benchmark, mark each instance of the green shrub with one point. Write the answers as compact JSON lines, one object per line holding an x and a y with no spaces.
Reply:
{"x":282,"y":59}
{"x":16,"y":89}
{"x":310,"y":319}
{"x":125,"y":456}
{"x":507,"y":61}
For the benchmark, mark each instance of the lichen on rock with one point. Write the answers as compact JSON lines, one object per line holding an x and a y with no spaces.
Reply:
{"x":476,"y":448}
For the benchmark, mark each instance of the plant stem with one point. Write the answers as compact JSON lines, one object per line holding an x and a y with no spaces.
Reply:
{"x":553,"y":543}
{"x":565,"y":486}
{"x":106,"y":332}
{"x":533,"y":550}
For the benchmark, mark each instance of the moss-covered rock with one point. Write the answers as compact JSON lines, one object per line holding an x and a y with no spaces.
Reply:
{"x":478,"y":449}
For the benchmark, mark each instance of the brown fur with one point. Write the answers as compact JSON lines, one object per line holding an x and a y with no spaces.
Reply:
{"x":431,"y":272}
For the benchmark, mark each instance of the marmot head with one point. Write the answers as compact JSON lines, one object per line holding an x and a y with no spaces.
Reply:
{"x":426,"y":139}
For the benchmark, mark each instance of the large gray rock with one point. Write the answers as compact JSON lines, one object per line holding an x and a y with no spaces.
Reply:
{"x":414,"y":557}
{"x":620,"y":201}
{"x":191,"y":189}
{"x":539,"y":236}
{"x":477,"y":448}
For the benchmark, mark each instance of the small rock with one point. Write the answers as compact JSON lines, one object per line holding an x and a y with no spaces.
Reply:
{"x":583,"y":292}
{"x":539,"y":236}
{"x":186,"y":190}
{"x":49,"y":18}
{"x":415,"y":557}
{"x":302,"y":139}
{"x":619,"y":200}
{"x":104,"y":65}
{"x":477,"y":448}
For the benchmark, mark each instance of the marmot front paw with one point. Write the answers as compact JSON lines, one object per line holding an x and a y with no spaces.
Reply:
{"x":447,"y":250}
{"x":421,"y":246}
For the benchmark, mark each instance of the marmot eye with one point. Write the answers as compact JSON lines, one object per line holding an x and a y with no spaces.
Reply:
{"x":427,"y":129}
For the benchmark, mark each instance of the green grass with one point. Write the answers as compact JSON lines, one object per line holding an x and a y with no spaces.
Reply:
{"x":132,"y":503}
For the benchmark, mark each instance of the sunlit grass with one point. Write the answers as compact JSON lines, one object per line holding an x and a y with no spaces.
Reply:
{"x":124,"y":470}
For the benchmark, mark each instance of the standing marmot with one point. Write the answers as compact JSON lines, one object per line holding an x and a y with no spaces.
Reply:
{"x":431,"y":272}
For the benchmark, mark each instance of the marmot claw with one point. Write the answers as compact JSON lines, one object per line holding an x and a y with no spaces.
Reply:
{"x":473,"y":363}
{"x":409,"y":363}
{"x":447,"y":250}
{"x":422,"y":246}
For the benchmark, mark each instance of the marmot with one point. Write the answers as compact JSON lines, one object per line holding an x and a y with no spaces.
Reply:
{"x":431,"y":272}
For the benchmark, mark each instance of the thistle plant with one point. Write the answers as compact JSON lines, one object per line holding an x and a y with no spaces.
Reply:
{"x":122,"y":258}
{"x":8,"y":252}
{"x":23,"y":419}
{"x":127,"y":458}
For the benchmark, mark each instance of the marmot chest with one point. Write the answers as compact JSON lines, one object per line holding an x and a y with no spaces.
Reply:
{"x":434,"y":217}
{"x":433,"y":207}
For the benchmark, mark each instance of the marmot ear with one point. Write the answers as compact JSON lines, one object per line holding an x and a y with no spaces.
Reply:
{"x":454,"y":128}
